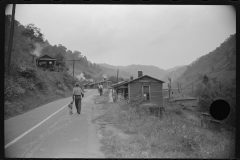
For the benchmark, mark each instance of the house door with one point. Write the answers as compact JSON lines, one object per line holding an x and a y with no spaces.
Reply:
{"x":125,"y":92}
{"x":146,"y":93}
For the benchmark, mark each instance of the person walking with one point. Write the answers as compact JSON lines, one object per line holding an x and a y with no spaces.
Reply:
{"x":101,"y":89}
{"x":98,"y":87}
{"x":77,"y":96}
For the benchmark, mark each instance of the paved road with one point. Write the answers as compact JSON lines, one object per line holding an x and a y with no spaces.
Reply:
{"x":50,"y":132}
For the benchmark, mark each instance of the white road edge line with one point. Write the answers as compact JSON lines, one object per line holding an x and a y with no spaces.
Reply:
{"x":16,"y":139}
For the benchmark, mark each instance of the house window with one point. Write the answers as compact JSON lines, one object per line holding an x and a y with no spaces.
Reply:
{"x":146,"y":93}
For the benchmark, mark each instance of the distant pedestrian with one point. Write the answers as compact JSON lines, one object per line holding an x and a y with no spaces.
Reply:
{"x":100,"y":89}
{"x":77,"y":96}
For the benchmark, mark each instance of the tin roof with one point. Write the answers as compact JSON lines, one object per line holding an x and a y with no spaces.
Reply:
{"x":118,"y":84}
{"x":126,"y":82}
{"x":46,"y":57}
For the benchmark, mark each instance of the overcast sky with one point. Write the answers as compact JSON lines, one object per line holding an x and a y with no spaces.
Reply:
{"x":161,"y":35}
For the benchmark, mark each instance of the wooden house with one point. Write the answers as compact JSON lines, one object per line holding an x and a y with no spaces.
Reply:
{"x":117,"y":92}
{"x":86,"y":86}
{"x":91,"y":85}
{"x":85,"y":82}
{"x":149,"y":88}
{"x":46,"y":62}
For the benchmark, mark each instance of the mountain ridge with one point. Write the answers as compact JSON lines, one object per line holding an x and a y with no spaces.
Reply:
{"x":133,"y":69}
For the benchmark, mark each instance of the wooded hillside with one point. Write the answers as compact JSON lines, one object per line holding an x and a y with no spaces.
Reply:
{"x":219,"y":65}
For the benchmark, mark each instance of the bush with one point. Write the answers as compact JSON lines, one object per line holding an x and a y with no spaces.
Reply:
{"x":11,"y":88}
{"x":59,"y":92}
{"x":206,"y":98}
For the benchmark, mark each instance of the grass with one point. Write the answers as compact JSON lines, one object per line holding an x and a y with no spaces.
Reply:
{"x":30,"y":101}
{"x":127,"y":132}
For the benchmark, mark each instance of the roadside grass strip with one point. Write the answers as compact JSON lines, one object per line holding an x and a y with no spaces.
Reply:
{"x":129,"y":132}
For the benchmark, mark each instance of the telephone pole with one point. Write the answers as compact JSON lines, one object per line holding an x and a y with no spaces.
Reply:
{"x":10,"y":40}
{"x":73,"y":64}
{"x":117,"y":76}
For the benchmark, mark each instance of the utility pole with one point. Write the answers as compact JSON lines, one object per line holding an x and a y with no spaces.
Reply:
{"x":169,"y":86}
{"x":73,"y":64}
{"x":117,"y":76}
{"x":11,"y":39}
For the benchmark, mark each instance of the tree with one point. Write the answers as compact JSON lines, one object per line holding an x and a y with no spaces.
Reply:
{"x":34,"y":34}
{"x":205,"y":79}
{"x":212,"y":68}
{"x":214,"y":80}
{"x":61,"y":60}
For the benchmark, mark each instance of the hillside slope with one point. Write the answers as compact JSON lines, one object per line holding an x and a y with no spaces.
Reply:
{"x":219,"y":65}
{"x":174,"y":68}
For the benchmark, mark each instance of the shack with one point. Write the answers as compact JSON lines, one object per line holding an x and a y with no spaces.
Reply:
{"x":91,"y":85}
{"x":149,"y":88}
{"x":86,"y":85}
{"x":46,"y":62}
{"x":208,"y":122}
{"x":117,"y":92}
{"x":173,"y":93}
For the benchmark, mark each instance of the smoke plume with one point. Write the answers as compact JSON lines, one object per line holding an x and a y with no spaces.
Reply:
{"x":80,"y":77}
{"x":38,"y":49}
{"x":104,"y":76}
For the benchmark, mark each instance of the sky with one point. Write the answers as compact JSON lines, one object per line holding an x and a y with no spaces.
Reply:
{"x":160,"y":35}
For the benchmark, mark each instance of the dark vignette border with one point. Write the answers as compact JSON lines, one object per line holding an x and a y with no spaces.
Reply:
{"x":4,"y":3}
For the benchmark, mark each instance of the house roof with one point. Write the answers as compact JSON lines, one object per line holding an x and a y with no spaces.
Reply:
{"x":117,"y":84}
{"x":46,"y":57}
{"x":92,"y":83}
{"x":126,"y":82}
{"x":87,"y":83}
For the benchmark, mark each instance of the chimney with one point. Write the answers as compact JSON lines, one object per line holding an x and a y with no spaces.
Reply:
{"x":140,"y":74}
{"x":131,"y":78}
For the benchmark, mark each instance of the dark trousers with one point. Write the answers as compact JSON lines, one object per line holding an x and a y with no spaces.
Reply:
{"x":78,"y":100}
{"x":100,"y":90}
